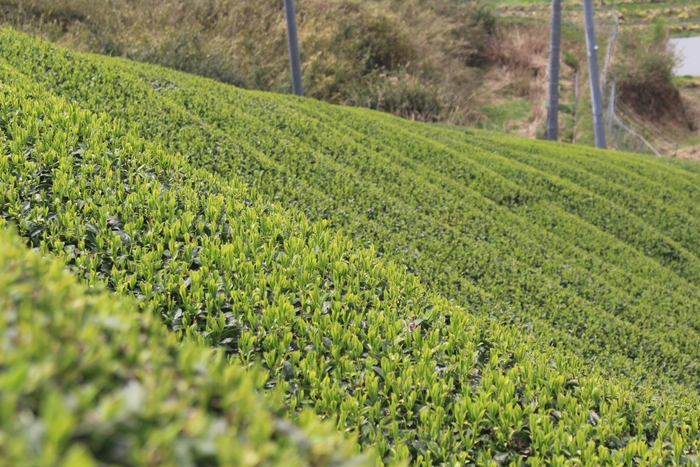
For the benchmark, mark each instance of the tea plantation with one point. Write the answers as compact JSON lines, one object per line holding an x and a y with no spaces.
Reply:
{"x":447,"y":297}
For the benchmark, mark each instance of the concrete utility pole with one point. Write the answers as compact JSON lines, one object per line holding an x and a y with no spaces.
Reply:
{"x":293,"y":42}
{"x":554,"y":56}
{"x":596,"y":95}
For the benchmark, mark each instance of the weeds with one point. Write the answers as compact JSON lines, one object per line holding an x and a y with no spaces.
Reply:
{"x":644,"y":74}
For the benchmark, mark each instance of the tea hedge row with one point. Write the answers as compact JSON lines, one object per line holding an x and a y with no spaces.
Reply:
{"x":648,"y":194}
{"x":86,"y":380}
{"x":359,"y":341}
{"x":654,"y":202}
{"x":537,"y":186}
{"x":645,"y":292}
{"x":606,"y":296}
{"x":424,"y":217}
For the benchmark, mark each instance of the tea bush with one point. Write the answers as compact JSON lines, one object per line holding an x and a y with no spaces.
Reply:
{"x":474,"y":222}
{"x":86,"y":380}
{"x":134,"y":177}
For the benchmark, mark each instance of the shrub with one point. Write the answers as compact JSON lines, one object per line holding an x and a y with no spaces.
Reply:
{"x":571,"y":61}
{"x":643,"y":70}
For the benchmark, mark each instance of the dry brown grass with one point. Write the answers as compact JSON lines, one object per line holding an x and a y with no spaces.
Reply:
{"x":520,"y":55}
{"x":644,"y":75}
{"x":401,"y":56}
{"x":691,"y":106}
{"x":690,"y":153}
{"x":520,"y":48}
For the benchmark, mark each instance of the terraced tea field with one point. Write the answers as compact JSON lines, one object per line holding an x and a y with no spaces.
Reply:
{"x":443,"y":295}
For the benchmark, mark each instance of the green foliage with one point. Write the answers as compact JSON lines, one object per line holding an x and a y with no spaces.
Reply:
{"x":86,"y":380}
{"x":648,"y":56}
{"x":133,"y":176}
{"x":454,"y":200}
{"x":402,"y":95}
{"x":502,"y":115}
{"x":485,"y":16}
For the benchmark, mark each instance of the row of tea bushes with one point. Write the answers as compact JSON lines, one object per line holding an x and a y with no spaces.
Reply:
{"x":358,"y":340}
{"x":86,"y":380}
{"x":309,"y":154}
{"x":613,"y":195}
{"x":603,"y":282}
{"x":616,"y":277}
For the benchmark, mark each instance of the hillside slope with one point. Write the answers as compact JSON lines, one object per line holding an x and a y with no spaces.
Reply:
{"x":563,"y":241}
{"x":106,"y":188}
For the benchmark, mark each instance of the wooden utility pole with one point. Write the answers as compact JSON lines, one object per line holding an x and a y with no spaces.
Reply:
{"x":596,"y":95}
{"x":293,"y":42}
{"x":554,"y":57}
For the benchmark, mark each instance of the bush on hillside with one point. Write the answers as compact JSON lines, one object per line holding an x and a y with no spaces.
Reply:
{"x":644,"y":74}
{"x":400,"y":94}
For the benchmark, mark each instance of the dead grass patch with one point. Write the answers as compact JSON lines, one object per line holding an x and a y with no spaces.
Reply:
{"x":519,"y":55}
{"x":520,"y":48}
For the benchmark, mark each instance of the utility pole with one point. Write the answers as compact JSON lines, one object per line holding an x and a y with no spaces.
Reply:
{"x":293,"y":42}
{"x":554,"y":56}
{"x":596,"y":95}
